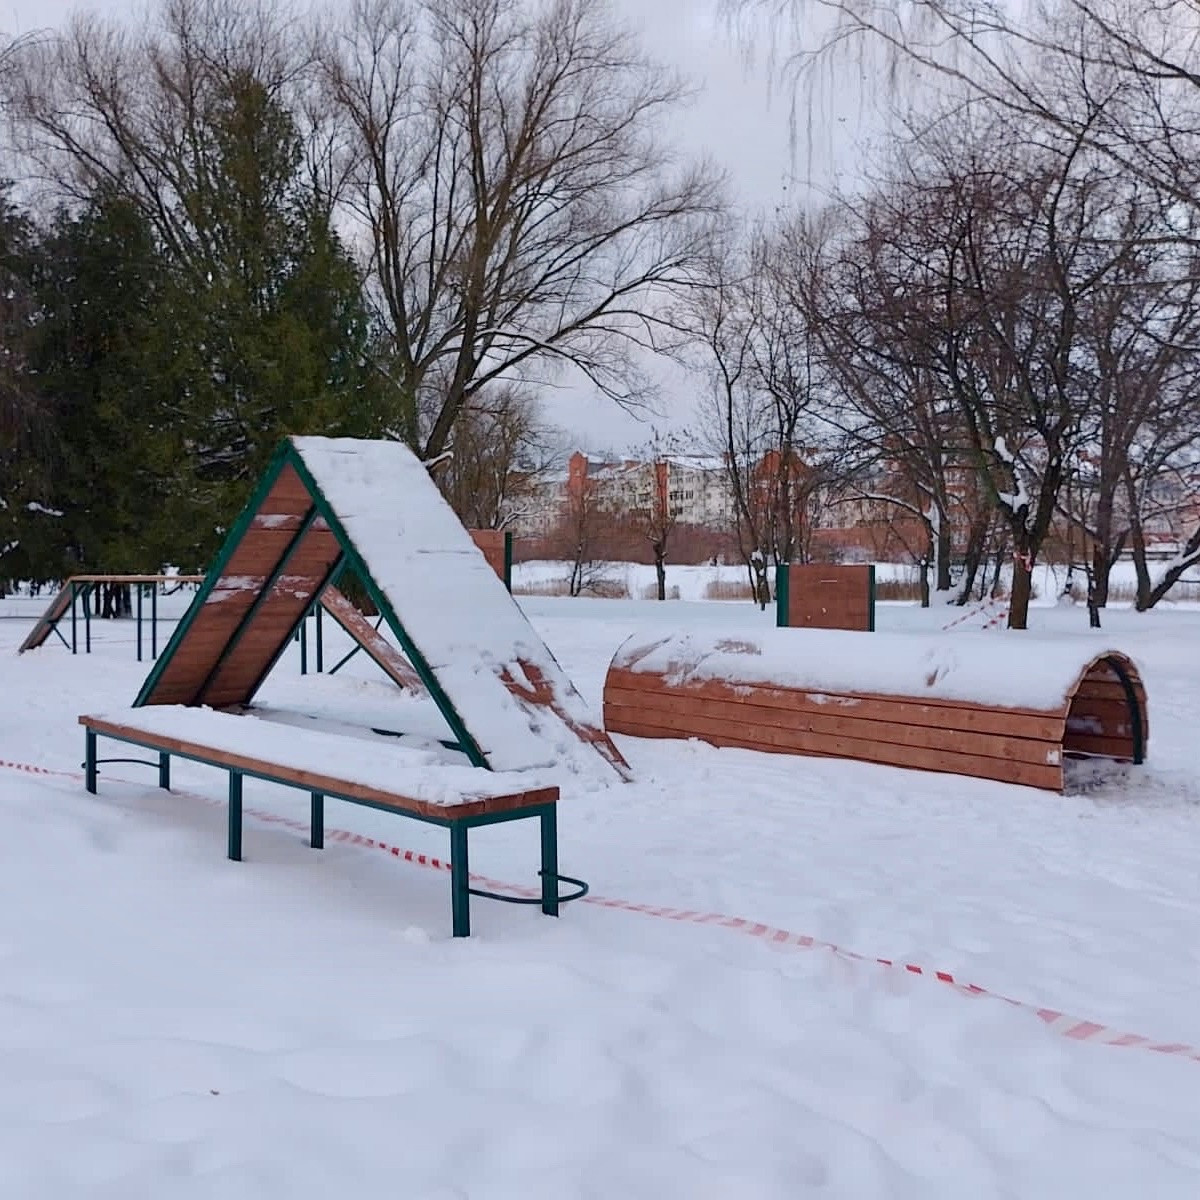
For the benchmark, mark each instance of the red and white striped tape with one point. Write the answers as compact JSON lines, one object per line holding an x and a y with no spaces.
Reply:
{"x":981,"y":609}
{"x":1075,"y":1028}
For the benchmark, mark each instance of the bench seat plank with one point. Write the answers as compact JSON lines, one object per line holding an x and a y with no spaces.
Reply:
{"x":402,"y":778}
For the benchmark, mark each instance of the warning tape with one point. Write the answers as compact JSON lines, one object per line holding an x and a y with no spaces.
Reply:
{"x":1075,"y":1028}
{"x":980,"y":610}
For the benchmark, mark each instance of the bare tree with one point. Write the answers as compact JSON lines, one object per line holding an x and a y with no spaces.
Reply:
{"x":655,"y":508}
{"x":1116,"y":76}
{"x":892,"y":405}
{"x":103,"y":106}
{"x":758,"y":350}
{"x":499,"y":454}
{"x":522,"y":212}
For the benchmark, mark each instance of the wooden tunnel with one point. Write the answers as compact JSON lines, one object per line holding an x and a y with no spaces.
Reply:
{"x":907,"y":703}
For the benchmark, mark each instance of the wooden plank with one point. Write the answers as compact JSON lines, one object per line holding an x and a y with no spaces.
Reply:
{"x":136,"y":578}
{"x":1104,"y":746}
{"x":271,"y":625}
{"x":374,"y":644}
{"x":708,"y":717}
{"x":470,"y":806}
{"x":1048,"y":776}
{"x":956,"y":715}
{"x":530,"y":689}
{"x":41,"y":631}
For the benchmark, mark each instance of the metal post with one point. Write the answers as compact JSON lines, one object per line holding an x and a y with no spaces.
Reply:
{"x":304,"y":644}
{"x":549,"y":822}
{"x":74,"y":640}
{"x":87,"y":618}
{"x":317,"y":837}
{"x":154,"y":620}
{"x":141,"y":587}
{"x":320,"y":638}
{"x":164,"y":770}
{"x":89,"y":755}
{"x":235,"y":815}
{"x":460,"y":880}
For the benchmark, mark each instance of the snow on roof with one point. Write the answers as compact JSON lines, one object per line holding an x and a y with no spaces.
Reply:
{"x":1013,"y":671}
{"x":697,"y":462}
{"x":453,"y":606}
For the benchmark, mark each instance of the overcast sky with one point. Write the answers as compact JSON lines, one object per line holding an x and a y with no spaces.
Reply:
{"x":737,"y":118}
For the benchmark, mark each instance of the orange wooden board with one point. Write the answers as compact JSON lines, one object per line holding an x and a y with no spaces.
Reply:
{"x":319,"y":782}
{"x":676,"y":710}
{"x":376,"y":646}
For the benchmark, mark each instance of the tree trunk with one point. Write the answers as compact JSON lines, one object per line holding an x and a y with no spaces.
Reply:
{"x":1092,"y":604}
{"x":973,"y":556}
{"x":942,"y":554}
{"x":1098,"y":576}
{"x":1141,"y":568}
{"x":760,"y":582}
{"x":660,"y":571}
{"x":924,"y":581}
{"x":1171,"y":576}
{"x":1022,"y":591}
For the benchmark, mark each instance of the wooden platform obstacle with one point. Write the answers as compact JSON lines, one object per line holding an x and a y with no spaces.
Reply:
{"x":994,"y":706}
{"x":825,"y":596}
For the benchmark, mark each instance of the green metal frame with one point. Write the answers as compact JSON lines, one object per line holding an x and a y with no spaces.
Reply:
{"x":460,"y":878}
{"x":217,"y":570}
{"x":508,"y":559}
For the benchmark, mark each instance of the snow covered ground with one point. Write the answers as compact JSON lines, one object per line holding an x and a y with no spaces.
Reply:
{"x":174,"y":1025}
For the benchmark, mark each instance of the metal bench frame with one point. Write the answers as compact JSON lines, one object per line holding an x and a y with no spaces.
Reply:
{"x":460,"y":889}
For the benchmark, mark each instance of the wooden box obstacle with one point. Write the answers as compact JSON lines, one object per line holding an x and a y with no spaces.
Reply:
{"x":825,"y":596}
{"x":972,"y":704}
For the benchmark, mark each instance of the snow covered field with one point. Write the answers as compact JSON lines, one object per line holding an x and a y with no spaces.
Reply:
{"x":173,"y":1025}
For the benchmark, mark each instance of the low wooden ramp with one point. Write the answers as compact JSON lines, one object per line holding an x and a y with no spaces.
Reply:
{"x":1010,"y":708}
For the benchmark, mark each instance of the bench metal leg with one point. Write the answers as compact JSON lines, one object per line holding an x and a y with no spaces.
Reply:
{"x":235,"y":815}
{"x":460,"y":875}
{"x":164,"y":770}
{"x":89,"y":757}
{"x":549,"y":821}
{"x":317,"y":835}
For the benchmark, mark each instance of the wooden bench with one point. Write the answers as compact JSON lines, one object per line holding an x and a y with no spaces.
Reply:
{"x":392,"y":779}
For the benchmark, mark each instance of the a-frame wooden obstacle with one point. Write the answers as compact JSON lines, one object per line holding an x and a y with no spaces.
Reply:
{"x":325,"y":505}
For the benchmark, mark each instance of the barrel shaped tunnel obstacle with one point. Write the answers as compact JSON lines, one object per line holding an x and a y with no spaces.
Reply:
{"x":970,"y":704}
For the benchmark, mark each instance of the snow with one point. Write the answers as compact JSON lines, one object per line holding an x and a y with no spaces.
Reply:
{"x":1037,"y":672}
{"x":452,"y":605}
{"x":301,"y":1024}
{"x":389,"y":768}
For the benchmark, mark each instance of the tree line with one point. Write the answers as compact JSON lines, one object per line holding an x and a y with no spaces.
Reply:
{"x":239,"y":221}
{"x":996,"y":332}
{"x":402,"y":218}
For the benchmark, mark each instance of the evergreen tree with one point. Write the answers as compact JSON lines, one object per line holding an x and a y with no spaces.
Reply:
{"x":270,"y":321}
{"x":26,"y":433}
{"x":101,"y":284}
